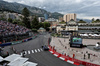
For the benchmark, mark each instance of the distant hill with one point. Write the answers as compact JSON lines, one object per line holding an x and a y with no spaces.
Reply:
{"x":16,"y":7}
{"x":86,"y":20}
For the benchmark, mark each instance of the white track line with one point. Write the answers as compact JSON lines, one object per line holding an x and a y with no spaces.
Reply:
{"x":32,"y":51}
{"x":21,"y":54}
{"x":51,"y":51}
{"x":39,"y":50}
{"x":25,"y":52}
{"x":28,"y":52}
{"x":62,"y":58}
{"x":35,"y":50}
{"x":55,"y":55}
{"x":70,"y":62}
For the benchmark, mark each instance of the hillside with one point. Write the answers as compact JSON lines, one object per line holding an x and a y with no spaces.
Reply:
{"x":19,"y":7}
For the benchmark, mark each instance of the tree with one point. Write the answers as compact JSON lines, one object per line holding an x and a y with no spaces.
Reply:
{"x":26,"y":20}
{"x":92,"y":19}
{"x":10,"y":20}
{"x":35,"y":23}
{"x":2,"y":18}
{"x":97,"y":20}
{"x":25,"y":12}
{"x":81,"y":21}
{"x":46,"y":25}
{"x":41,"y":24}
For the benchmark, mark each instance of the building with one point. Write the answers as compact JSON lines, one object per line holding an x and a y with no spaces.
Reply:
{"x":53,"y":26}
{"x":68,"y":17}
{"x":52,"y":20}
{"x":60,"y":19}
{"x":41,"y":30}
{"x":14,"y":16}
{"x":11,"y":15}
{"x":64,"y":29}
{"x":82,"y":28}
{"x":89,"y":28}
{"x":46,"y":16}
{"x":41,"y":19}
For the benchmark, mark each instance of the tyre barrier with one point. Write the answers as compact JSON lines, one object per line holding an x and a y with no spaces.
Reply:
{"x":69,"y":59}
{"x":17,"y":42}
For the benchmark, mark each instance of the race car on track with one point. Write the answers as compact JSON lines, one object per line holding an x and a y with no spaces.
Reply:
{"x":45,"y":48}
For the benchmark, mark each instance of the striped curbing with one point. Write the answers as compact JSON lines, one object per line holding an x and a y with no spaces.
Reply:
{"x":69,"y":61}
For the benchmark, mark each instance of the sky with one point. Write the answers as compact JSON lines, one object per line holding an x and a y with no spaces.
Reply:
{"x":85,"y":9}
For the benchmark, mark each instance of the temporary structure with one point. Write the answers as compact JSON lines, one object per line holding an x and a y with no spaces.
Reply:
{"x":12,"y":57}
{"x":1,"y":59}
{"x":29,"y":64}
{"x":18,"y":62}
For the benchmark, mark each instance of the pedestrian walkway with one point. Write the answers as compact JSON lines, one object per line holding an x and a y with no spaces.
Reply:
{"x":31,"y":51}
{"x":62,"y":46}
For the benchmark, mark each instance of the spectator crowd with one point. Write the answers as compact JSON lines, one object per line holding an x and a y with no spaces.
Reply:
{"x":9,"y":31}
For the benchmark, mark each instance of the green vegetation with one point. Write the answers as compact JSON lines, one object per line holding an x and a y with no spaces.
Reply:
{"x":96,"y":21}
{"x":34,"y":30}
{"x":2,"y":18}
{"x":81,"y":21}
{"x":46,"y":25}
{"x":16,"y":7}
{"x":10,"y":20}
{"x":19,"y":22}
{"x":35,"y":23}
{"x":26,"y":20}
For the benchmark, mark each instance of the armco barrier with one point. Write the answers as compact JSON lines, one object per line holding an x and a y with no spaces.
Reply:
{"x":5,"y":44}
{"x":16,"y":42}
{"x":69,"y":59}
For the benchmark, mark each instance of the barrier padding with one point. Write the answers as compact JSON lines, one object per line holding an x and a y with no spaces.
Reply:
{"x":16,"y":42}
{"x":29,"y":39}
{"x":5,"y":44}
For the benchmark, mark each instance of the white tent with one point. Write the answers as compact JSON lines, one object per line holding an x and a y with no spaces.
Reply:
{"x":12,"y":57}
{"x":85,"y":34}
{"x":29,"y":64}
{"x":94,"y":35}
{"x":81,"y":34}
{"x":18,"y":62}
{"x":97,"y":45}
{"x":90,"y":34}
{"x":1,"y":59}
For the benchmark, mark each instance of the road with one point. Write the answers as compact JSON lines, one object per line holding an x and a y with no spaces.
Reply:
{"x":35,"y":53}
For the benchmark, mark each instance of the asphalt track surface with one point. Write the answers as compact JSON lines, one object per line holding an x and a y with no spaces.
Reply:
{"x":43,"y":58}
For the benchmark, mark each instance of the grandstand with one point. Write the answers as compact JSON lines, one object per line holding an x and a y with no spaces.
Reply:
{"x":12,"y":32}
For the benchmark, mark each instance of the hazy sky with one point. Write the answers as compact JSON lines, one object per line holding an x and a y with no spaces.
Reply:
{"x":83,"y":8}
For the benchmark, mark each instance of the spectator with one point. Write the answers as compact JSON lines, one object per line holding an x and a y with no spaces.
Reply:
{"x":8,"y":29}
